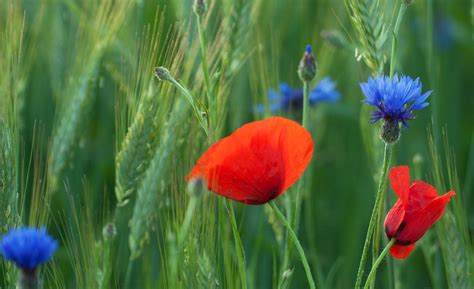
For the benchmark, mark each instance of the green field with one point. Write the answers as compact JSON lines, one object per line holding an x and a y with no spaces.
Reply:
{"x":96,"y":148}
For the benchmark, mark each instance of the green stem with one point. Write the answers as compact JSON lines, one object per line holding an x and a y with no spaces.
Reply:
{"x":304,"y":122}
{"x":393,"y":57}
{"x":207,"y":79}
{"x":371,"y":277}
{"x":107,"y":268}
{"x":295,"y":215}
{"x":190,"y":99}
{"x":238,"y":244}
{"x":183,"y":233}
{"x":305,"y":104}
{"x":373,"y":218}
{"x":205,"y":68}
{"x":296,"y":242}
{"x":128,"y":274}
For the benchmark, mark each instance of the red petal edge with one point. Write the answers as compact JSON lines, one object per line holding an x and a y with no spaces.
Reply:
{"x":401,"y":251}
{"x":421,"y":221}
{"x":400,"y":181}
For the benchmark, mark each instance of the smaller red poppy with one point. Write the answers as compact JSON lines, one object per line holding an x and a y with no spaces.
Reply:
{"x":418,"y":207}
{"x":258,"y":162}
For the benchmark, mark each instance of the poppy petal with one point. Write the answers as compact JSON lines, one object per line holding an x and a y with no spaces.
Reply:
{"x":419,"y":222}
{"x":394,"y":219}
{"x":258,"y":162}
{"x":401,"y":251}
{"x":420,"y":195}
{"x":400,"y":181}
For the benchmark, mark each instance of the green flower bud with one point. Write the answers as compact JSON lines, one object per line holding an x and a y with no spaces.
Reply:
{"x":29,"y":280}
{"x":163,"y":74}
{"x":200,"y":7}
{"x":196,"y":187}
{"x":307,"y":68}
{"x":390,"y":131}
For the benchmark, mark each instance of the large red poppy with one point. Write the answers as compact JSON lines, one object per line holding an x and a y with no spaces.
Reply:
{"x":418,"y":207}
{"x":257,"y":162}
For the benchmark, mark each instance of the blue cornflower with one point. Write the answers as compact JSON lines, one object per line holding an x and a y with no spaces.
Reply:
{"x":289,"y":98}
{"x":395,"y":99}
{"x":28,"y":247}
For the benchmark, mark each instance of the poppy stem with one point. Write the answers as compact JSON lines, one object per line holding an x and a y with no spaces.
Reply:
{"x":371,"y":277}
{"x":164,"y":74}
{"x":238,"y":244}
{"x":183,"y":233}
{"x":375,"y":211}
{"x":296,"y":242}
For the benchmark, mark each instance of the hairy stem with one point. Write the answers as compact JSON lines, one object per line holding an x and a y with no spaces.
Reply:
{"x":373,"y":218}
{"x":295,"y":214}
{"x":371,"y":277}
{"x":296,"y":242}
{"x":238,"y":244}
{"x":183,"y":233}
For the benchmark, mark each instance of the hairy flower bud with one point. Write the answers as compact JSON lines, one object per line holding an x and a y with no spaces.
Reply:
{"x":307,"y":68}
{"x":163,"y":74}
{"x":196,"y":187}
{"x":390,"y":131}
{"x":29,"y":280}
{"x":200,"y":7}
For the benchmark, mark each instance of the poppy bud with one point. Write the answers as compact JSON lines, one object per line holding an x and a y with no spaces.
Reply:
{"x":307,"y":68}
{"x":390,"y":131}
{"x":163,"y":74}
{"x":200,"y":7}
{"x":196,"y":187}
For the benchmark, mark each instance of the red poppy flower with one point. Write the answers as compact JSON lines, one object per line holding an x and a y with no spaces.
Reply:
{"x":418,"y":207}
{"x":257,"y":162}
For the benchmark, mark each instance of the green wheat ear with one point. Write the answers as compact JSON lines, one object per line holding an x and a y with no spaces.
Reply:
{"x":147,"y":193}
{"x":96,"y":34}
{"x":137,"y":148}
{"x":456,"y":255}
{"x":452,"y":230}
{"x":368,"y":22}
{"x":11,"y":79}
